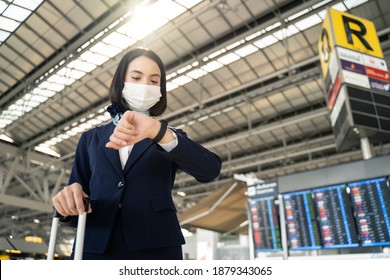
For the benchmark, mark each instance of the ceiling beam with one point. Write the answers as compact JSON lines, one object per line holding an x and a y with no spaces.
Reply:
{"x":25,"y":203}
{"x":94,"y":28}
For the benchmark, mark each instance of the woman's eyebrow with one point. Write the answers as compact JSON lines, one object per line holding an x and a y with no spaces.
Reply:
{"x":139,"y":72}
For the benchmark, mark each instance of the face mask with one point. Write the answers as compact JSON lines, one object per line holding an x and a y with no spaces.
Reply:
{"x":141,"y":97}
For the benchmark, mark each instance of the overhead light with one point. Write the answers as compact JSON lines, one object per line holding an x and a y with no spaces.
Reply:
{"x":6,"y":138}
{"x":180,"y":193}
{"x":229,"y":58}
{"x":47,"y":150}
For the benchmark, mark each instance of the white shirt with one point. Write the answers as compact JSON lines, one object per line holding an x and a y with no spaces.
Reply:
{"x":125,"y":151}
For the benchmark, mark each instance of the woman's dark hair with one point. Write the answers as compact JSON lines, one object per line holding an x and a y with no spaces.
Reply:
{"x":116,"y":87}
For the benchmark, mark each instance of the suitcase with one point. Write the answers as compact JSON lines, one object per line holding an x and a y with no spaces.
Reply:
{"x":78,"y":253}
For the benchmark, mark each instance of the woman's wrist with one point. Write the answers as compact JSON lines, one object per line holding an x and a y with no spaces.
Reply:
{"x":161,"y":131}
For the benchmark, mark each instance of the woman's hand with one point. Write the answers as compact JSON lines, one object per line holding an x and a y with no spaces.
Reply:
{"x":69,"y":201}
{"x":132,"y":128}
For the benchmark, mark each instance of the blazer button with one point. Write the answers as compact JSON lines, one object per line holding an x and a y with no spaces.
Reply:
{"x":121,"y":185}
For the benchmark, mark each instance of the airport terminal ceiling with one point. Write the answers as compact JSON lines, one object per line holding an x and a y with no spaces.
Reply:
{"x":243,"y":78}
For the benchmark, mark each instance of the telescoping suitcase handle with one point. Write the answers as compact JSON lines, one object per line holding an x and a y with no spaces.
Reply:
{"x":78,"y":253}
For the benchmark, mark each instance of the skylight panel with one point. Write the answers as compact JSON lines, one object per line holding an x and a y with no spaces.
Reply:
{"x":28,"y":4}
{"x":247,"y":50}
{"x":182,"y":80}
{"x":16,"y":13}
{"x":8,"y":24}
{"x":212,"y":66}
{"x":15,"y":107}
{"x":196,"y":73}
{"x":354,"y":3}
{"x":106,"y":50}
{"x":184,"y":69}
{"x":297,"y":15}
{"x":39,"y":98}
{"x":62,"y":80}
{"x":49,"y":143}
{"x":71,"y":133}
{"x":217,"y":53}
{"x":85,"y":126}
{"x":286,"y":32}
{"x":167,"y":9}
{"x":16,"y":113}
{"x":172,"y":75}
{"x":5,"y":137}
{"x":8,"y":116}
{"x":81,"y":65}
{"x":273,"y":26}
{"x":5,"y":117}
{"x":63,"y":136}
{"x":4,"y":122}
{"x":46,"y":150}
{"x":2,"y":6}
{"x":235,"y":45}
{"x":94,"y":58}
{"x":51,"y":86}
{"x":93,"y":122}
{"x":322,"y":14}
{"x":254,"y":35}
{"x":144,"y":23}
{"x":321,"y":4}
{"x":340,"y":7}
{"x":77,"y":129}
{"x":188,"y":3}
{"x":3,"y":35}
{"x":171,"y":86}
{"x":31,"y":103}
{"x":229,"y":58}
{"x":119,"y":40}
{"x":43,"y":92}
{"x":265,"y":42}
{"x":12,"y":14}
{"x":308,"y":22}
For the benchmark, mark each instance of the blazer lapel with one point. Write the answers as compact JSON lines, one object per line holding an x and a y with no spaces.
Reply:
{"x":138,"y":149}
{"x":112,"y":154}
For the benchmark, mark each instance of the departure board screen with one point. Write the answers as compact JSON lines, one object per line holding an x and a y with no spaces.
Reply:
{"x":371,"y":204}
{"x":301,"y":221}
{"x":334,"y":209}
{"x":265,"y":224}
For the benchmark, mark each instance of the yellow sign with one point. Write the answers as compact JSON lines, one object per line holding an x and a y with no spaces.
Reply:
{"x":4,"y":257}
{"x":355,"y":33}
{"x":325,"y":45}
{"x":347,"y":31}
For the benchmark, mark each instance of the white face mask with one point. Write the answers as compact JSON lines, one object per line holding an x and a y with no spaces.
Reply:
{"x":141,"y":97}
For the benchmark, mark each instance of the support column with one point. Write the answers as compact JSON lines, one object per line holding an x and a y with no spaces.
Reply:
{"x":366,"y":147}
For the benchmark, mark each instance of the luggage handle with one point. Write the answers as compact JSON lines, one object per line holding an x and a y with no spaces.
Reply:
{"x":78,"y":254}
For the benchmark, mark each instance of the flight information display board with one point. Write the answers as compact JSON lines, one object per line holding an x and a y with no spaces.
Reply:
{"x":301,"y":221}
{"x":265,"y":224}
{"x":337,"y":226}
{"x":371,"y":204}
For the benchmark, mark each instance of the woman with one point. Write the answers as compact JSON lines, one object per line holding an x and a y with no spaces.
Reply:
{"x":127,"y":169}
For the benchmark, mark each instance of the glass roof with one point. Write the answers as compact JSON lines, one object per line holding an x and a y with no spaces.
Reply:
{"x":138,"y":26}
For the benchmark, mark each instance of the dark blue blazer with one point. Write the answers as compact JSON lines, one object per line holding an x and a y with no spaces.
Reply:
{"x":143,"y":188}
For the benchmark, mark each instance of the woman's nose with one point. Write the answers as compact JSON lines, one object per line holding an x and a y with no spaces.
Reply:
{"x":146,"y":81}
